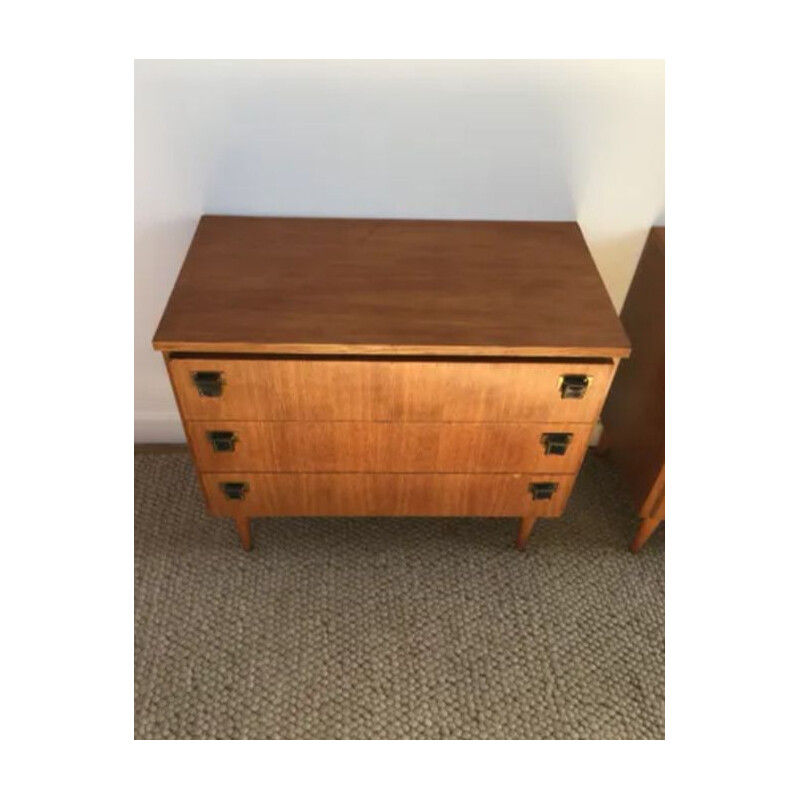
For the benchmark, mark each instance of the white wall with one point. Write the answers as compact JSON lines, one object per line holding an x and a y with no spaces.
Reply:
{"x":549,"y":140}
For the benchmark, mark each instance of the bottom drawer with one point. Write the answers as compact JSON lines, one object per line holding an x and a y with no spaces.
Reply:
{"x":239,"y":494}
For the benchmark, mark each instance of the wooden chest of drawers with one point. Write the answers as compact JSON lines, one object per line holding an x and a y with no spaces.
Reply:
{"x":388,"y":367}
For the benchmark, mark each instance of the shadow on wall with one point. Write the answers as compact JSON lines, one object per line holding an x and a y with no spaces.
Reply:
{"x":159,"y":250}
{"x":616,"y":258}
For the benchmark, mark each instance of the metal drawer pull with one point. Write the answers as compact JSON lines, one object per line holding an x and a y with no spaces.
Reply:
{"x":573,"y":387}
{"x":555,"y":444}
{"x":542,"y":491}
{"x":209,"y":384}
{"x":235,"y":491}
{"x":222,"y":441}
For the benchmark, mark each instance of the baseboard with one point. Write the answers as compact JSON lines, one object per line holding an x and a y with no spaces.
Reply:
{"x":157,"y":427}
{"x":140,"y":449}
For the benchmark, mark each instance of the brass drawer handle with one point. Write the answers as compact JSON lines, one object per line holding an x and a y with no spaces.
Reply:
{"x":222,"y":441}
{"x":556,"y":444}
{"x":208,"y":384}
{"x":235,"y":491}
{"x":573,"y":387}
{"x":542,"y":491}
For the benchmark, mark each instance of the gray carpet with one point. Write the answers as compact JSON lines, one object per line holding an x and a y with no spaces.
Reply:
{"x":395,"y":628}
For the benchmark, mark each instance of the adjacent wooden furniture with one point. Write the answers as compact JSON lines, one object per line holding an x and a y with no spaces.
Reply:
{"x":388,"y":367}
{"x":633,"y":418}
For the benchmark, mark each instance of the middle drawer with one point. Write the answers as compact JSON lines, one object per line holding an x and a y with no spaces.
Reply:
{"x":388,"y":446}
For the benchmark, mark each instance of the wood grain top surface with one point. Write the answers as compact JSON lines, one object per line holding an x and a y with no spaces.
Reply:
{"x":393,"y":287}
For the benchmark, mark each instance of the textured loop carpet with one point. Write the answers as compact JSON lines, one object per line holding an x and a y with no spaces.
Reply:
{"x":395,"y":628}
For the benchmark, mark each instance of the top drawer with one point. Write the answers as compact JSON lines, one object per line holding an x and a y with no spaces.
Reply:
{"x":386,"y":390}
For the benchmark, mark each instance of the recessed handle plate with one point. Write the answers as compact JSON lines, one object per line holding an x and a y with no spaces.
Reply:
{"x":234,"y":490}
{"x":542,"y":491}
{"x":556,"y":444}
{"x":208,"y":384}
{"x":573,"y":387}
{"x":222,"y":441}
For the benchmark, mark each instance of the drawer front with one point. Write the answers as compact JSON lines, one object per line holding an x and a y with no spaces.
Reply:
{"x":379,"y":390}
{"x":388,"y":447}
{"x":318,"y":494}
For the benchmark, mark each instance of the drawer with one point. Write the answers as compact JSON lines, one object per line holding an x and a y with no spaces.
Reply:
{"x":355,"y":494}
{"x":389,"y":390}
{"x":388,"y":447}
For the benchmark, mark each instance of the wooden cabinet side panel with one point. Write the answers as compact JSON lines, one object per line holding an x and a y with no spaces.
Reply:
{"x":633,"y":415}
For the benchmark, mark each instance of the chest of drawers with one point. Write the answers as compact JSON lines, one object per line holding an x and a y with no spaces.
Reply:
{"x":388,"y":367}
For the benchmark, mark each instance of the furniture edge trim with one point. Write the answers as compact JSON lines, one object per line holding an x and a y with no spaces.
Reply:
{"x":168,"y":346}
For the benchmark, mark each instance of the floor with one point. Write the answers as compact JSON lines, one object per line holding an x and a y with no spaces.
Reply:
{"x":367,"y":628}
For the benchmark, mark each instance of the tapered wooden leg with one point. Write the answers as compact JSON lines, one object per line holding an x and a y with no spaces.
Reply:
{"x":243,"y":529}
{"x":525,"y":528}
{"x":644,"y":532}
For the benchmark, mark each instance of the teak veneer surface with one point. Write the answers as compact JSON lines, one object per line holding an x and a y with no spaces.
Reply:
{"x":348,"y":494}
{"x":387,"y":367}
{"x":316,"y":286}
{"x":388,"y":447}
{"x":417,"y":391}
{"x":633,"y":417}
